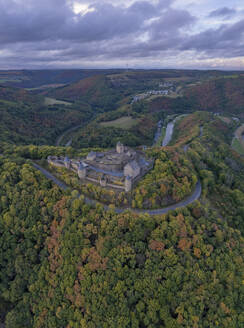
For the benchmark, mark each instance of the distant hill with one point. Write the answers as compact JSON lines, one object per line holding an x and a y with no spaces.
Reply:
{"x":38,"y":78}
{"x":214,"y":95}
{"x":220,"y":95}
{"x":87,"y":87}
{"x":104,"y":90}
{"x":24,"y":118}
{"x":96,"y":90}
{"x":16,"y":95}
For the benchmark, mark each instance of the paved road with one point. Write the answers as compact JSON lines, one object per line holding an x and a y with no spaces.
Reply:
{"x":193,"y":197}
{"x":186,"y":147}
{"x":66,"y":132}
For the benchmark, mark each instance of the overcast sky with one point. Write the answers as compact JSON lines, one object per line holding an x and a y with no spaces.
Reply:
{"x":116,"y":33}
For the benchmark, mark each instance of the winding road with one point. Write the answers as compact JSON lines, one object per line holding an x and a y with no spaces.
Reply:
{"x":59,"y":139}
{"x":190,"y":199}
{"x":169,"y":132}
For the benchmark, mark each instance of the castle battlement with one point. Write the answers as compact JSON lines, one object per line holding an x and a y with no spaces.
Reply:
{"x":119,"y":168}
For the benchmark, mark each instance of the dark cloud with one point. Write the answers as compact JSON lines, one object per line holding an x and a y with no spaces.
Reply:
{"x":170,"y":23}
{"x":48,"y":32}
{"x":226,"y":41}
{"x":42,"y":20}
{"x":222,"y":12}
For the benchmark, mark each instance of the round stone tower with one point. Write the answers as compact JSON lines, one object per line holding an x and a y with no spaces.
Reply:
{"x":81,"y":171}
{"x":120,"y":148}
{"x":67,"y":162}
{"x":128,"y":183}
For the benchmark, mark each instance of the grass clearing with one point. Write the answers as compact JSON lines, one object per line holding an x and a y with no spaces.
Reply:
{"x":9,"y":80}
{"x":8,"y":102}
{"x":238,"y":147}
{"x":225,"y":119}
{"x":125,"y":122}
{"x":51,"y":101}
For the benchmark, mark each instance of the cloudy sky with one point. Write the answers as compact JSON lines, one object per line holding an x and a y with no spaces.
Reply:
{"x":120,"y":33}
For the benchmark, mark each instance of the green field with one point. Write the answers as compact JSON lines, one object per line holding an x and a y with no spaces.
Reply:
{"x":237,"y":145}
{"x":125,"y":122}
{"x":9,"y":80}
{"x":51,"y":101}
{"x":7,"y":102}
{"x":227,"y":120}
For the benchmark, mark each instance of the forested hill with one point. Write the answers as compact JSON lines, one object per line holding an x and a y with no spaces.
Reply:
{"x":97,"y":90}
{"x":38,"y":78}
{"x":219,"y":95}
{"x":26,"y":119}
{"x":16,"y":95}
{"x":64,"y":263}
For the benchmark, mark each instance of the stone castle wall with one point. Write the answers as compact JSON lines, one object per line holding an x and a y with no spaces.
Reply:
{"x":109,"y":180}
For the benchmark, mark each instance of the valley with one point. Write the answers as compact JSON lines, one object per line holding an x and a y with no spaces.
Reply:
{"x":167,"y":252}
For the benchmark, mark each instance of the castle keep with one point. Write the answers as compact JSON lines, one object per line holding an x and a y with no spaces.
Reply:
{"x":119,"y":168}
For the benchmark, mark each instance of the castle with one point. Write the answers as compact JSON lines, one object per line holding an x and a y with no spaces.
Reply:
{"x":119,"y":168}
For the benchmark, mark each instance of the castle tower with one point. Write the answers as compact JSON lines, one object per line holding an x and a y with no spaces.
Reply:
{"x":91,"y":156}
{"x":82,"y":171}
{"x":120,"y":148}
{"x":128,"y":183}
{"x":67,"y":162}
{"x":103,"y":181}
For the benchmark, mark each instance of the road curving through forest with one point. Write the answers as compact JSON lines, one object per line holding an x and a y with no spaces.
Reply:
{"x":60,"y":138}
{"x":168,"y":136}
{"x":190,"y":199}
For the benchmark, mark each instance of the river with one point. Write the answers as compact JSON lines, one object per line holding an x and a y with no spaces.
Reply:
{"x":168,"y":133}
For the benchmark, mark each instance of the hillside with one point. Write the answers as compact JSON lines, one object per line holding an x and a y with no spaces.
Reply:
{"x":75,"y":254}
{"x":16,"y":95}
{"x":25,"y":119}
{"x":220,"y":95}
{"x":68,"y":264}
{"x":52,"y":77}
{"x":82,"y":88}
{"x":39,"y":78}
{"x":96,"y":90}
